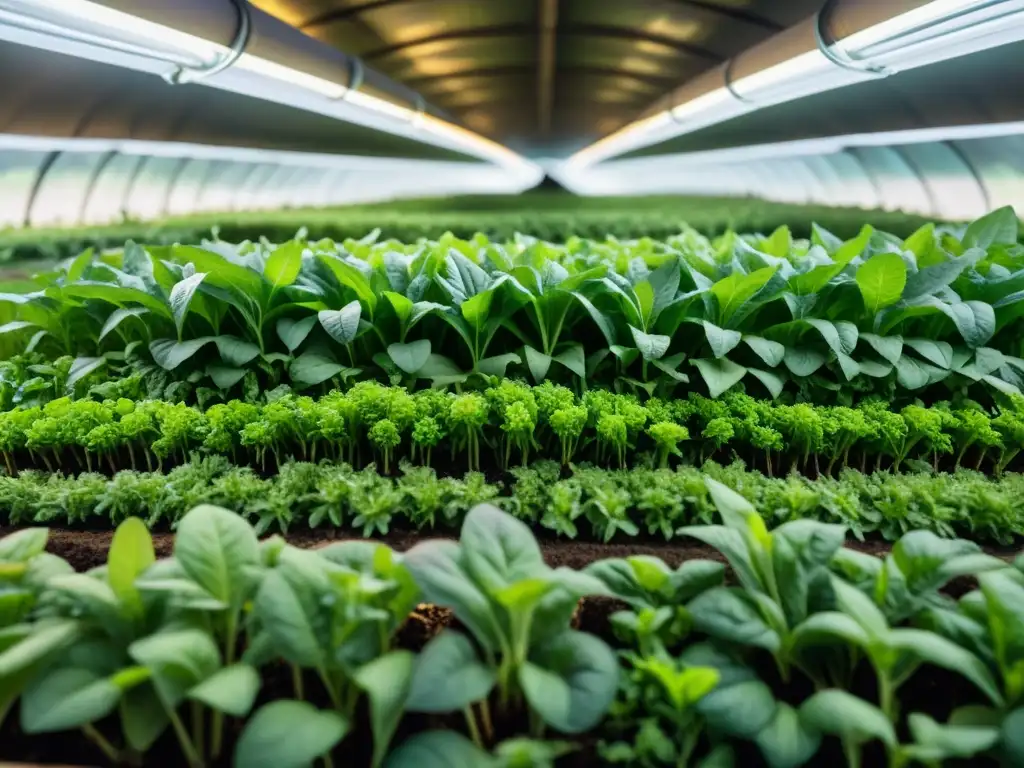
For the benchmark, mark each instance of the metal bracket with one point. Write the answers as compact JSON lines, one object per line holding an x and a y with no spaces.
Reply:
{"x":731,"y":88}
{"x":835,"y":53}
{"x":356,"y":72}
{"x":183,"y":75}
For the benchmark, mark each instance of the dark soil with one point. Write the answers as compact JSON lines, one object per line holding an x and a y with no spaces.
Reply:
{"x":87,"y":549}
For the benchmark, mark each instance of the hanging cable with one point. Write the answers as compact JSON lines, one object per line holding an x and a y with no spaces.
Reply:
{"x":182,"y":75}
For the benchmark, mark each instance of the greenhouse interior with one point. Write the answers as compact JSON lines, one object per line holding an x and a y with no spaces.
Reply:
{"x":512,"y":383}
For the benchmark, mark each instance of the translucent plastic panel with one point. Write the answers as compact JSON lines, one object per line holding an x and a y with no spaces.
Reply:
{"x":249,"y":191}
{"x":955,"y":191}
{"x":279,"y":188}
{"x":857,"y":185}
{"x":899,"y":186}
{"x":61,"y":194}
{"x":105,"y":200}
{"x":18,"y":173}
{"x":184,"y":192}
{"x":221,"y":184}
{"x":147,"y":198}
{"x":999,"y":162}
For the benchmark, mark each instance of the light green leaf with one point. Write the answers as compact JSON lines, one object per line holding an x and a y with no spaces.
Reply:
{"x":311,"y":369}
{"x":573,"y":358}
{"x":234,"y":351}
{"x":181,"y":297}
{"x":938,"y":352}
{"x":889,"y":347}
{"x":652,"y":346}
{"x":224,"y":377}
{"x":719,"y":375}
{"x":283,"y":265}
{"x":786,"y":742}
{"x":410,"y":357}
{"x":293,"y":332}
{"x":721,"y":341}
{"x":803,"y":362}
{"x":881,"y":280}
{"x":496,"y":364}
{"x":66,"y":698}
{"x":118,"y":316}
{"x":219,"y":551}
{"x":440,"y":749}
{"x":772,"y":352}
{"x":448,"y":675}
{"x":996,"y":228}
{"x":80,"y":368}
{"x":169,"y":354}
{"x":734,"y":291}
{"x":843,"y":714}
{"x":231,"y":690}
{"x":288,"y":734}
{"x":773,"y":382}
{"x":537,"y":362}
{"x":131,"y":553}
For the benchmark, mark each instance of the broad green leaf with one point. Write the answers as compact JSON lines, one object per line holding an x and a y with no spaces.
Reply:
{"x":66,"y":698}
{"x":288,"y":734}
{"x":499,"y":550}
{"x":645,"y":301}
{"x":573,"y":358}
{"x":439,"y":367}
{"x":115,"y":294}
{"x":844,"y":715}
{"x":937,"y":650}
{"x":342,"y":324}
{"x":178,"y":659}
{"x":729,"y":614}
{"x":1012,"y":736}
{"x":719,"y":375}
{"x":463,"y":279}
{"x":351,"y":277}
{"x":169,"y":354}
{"x":449,"y":675}
{"x":937,"y":742}
{"x":537,"y":362}
{"x":734,"y":291}
{"x":80,"y":368}
{"x":881,"y":280}
{"x":20,"y":325}
{"x":999,"y":227}
{"x":21,"y":546}
{"x":181,"y":297}
{"x":283,"y":613}
{"x":652,"y":346}
{"x":771,"y":352}
{"x":219,"y":551}
{"x":410,"y":357}
{"x":571,"y":681}
{"x":235,"y":352}
{"x":602,"y":320}
{"x":773,"y":382}
{"x":231,"y":690}
{"x":496,"y":364}
{"x":925,"y":282}
{"x":721,"y":341}
{"x":938,"y":352}
{"x":440,"y":749}
{"x":386,"y":682}
{"x":477,"y":308}
{"x":889,"y":347}
{"x":401,"y":304}
{"x":284,"y":264}
{"x":293,"y":332}
{"x":311,"y":369}
{"x":922,"y":244}
{"x":131,"y":553}
{"x":786,"y":742}
{"x":975,"y":320}
{"x":79,"y":264}
{"x":118,"y":316}
{"x":740,"y":710}
{"x":224,"y":377}
{"x":803,"y":361}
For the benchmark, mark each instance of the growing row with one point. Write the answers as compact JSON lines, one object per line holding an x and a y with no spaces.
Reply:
{"x":510,"y":423}
{"x":777,"y":313}
{"x":592,"y":503}
{"x":818,"y":655}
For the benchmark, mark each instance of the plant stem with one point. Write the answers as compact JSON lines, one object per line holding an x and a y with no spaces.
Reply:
{"x":198,"y":726}
{"x":474,"y":732}
{"x":852,"y":752}
{"x":100,"y":741}
{"x":485,"y":718}
{"x":297,"y":682}
{"x":187,"y":747}
{"x":230,"y":641}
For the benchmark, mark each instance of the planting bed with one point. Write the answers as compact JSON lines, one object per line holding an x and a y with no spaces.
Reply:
{"x":501,"y":502}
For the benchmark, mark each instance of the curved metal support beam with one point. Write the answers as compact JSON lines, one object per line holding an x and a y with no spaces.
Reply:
{"x":876,"y":188}
{"x":547,"y":53}
{"x":172,"y":182}
{"x":90,"y":185}
{"x":565,"y":30}
{"x":657,"y":81}
{"x":182,"y":75}
{"x":973,"y":170}
{"x":37,"y":183}
{"x":933,"y":203}
{"x":736,"y":14}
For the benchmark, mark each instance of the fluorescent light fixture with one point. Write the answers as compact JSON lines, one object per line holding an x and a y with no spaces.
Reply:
{"x":89,"y":30}
{"x":937,"y":31}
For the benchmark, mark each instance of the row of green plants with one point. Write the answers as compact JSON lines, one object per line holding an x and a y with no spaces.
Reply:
{"x":555,"y":217}
{"x":941,"y":309}
{"x":811,"y":654}
{"x":509,"y":424}
{"x":591,"y":503}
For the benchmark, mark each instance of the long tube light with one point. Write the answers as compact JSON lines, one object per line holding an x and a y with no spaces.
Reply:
{"x":90,"y":30}
{"x":934,"y":32}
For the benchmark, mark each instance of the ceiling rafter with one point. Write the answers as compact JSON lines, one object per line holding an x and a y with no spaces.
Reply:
{"x":660,"y":81}
{"x":547,"y":52}
{"x":736,"y":14}
{"x":564,"y":30}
